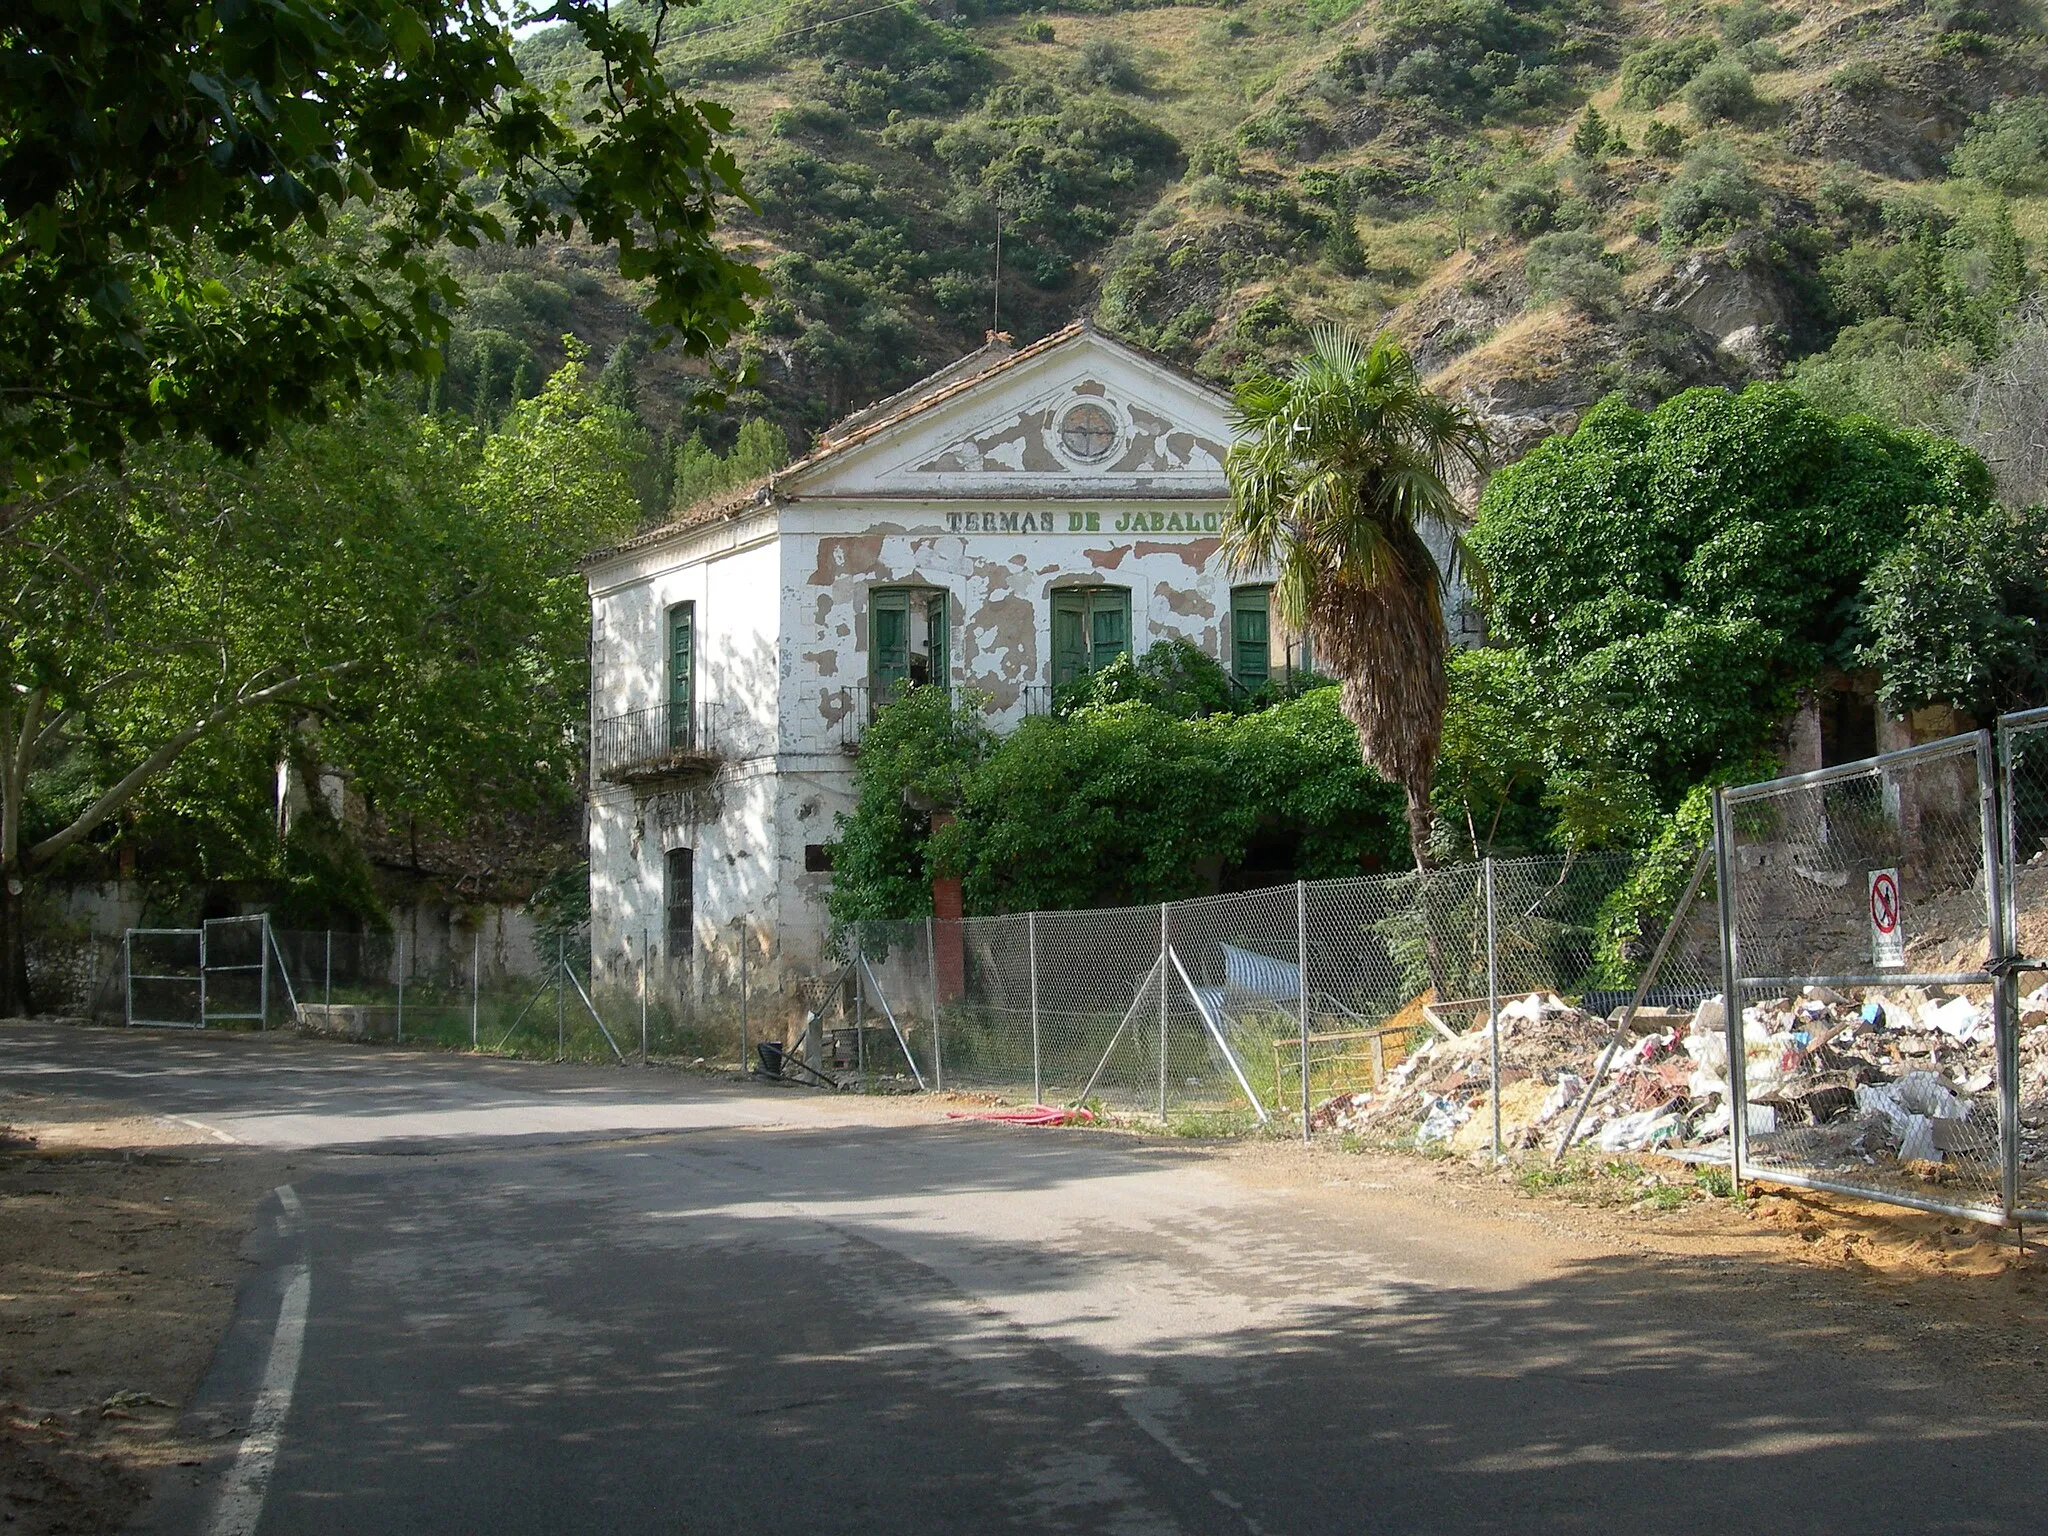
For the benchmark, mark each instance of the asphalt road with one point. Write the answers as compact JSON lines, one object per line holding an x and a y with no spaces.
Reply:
{"x":773,"y":1318}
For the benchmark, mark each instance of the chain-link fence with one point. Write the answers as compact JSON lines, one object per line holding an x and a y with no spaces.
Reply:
{"x":1884,"y":925}
{"x":2023,"y":757}
{"x":1863,"y":920}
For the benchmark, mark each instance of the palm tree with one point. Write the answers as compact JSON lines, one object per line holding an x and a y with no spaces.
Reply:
{"x":1334,"y":468}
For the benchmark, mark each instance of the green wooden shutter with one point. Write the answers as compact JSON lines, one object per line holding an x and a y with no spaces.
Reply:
{"x":682,"y":671}
{"x":888,"y":643}
{"x":1251,"y":656}
{"x":1109,"y":626}
{"x":1069,"y":636}
{"x":937,"y":634}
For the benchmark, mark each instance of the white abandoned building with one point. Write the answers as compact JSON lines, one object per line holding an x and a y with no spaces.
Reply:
{"x":1015,"y":519}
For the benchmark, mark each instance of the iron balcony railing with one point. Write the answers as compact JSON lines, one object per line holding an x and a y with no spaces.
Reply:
{"x":665,"y":741}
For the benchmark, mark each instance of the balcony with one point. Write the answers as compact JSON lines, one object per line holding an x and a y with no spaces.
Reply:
{"x":847,"y":709}
{"x":646,"y":745}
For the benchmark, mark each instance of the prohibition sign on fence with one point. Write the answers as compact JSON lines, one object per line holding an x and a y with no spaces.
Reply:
{"x":1887,"y":940}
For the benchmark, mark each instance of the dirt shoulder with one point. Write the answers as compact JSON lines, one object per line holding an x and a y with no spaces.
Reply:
{"x":119,"y":1237}
{"x":1840,"y":1273}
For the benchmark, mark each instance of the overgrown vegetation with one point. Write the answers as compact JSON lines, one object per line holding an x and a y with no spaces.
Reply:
{"x":1161,"y":795}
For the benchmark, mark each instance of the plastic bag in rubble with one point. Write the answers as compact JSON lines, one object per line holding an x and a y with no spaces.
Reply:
{"x":1440,"y":1124}
{"x":1632,"y":1133}
{"x":1569,"y":1086}
{"x":1960,"y":1020}
{"x":1912,"y":1105}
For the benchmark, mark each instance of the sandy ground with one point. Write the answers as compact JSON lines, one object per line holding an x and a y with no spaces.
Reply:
{"x":1968,"y":1298}
{"x":118,"y":1243}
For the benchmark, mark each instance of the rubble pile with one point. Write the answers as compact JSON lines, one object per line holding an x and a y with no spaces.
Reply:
{"x":1834,"y":1082}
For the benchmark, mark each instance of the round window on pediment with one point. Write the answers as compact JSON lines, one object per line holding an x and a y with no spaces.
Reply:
{"x":1088,"y":432}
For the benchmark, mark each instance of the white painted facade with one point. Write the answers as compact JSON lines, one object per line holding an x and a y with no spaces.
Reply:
{"x":1076,"y":462}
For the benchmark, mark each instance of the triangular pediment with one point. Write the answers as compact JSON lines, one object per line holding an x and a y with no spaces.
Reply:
{"x":1082,"y":416}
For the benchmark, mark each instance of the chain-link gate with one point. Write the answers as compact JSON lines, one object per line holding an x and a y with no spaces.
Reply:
{"x":2023,"y":759}
{"x":164,"y":977}
{"x":1869,"y":1051}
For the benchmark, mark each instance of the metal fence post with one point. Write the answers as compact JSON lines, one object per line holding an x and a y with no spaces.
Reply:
{"x":327,"y":979}
{"x":1492,"y":1007}
{"x":561,"y":1027}
{"x":1163,"y":947}
{"x":401,"y":989}
{"x":744,"y":943}
{"x":1031,"y":959}
{"x":476,"y":981}
{"x":2005,"y":1045}
{"x":1301,"y":994}
{"x":860,"y":1008}
{"x":931,"y":965}
{"x":643,"y":1000}
{"x":1724,"y":891}
{"x":202,"y":973}
{"x":263,"y":972}
{"x":128,"y":978}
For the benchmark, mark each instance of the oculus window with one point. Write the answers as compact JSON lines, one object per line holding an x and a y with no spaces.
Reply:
{"x":1091,"y":627}
{"x":1088,"y":433}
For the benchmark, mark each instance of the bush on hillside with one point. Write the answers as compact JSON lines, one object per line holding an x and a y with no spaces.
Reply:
{"x":2006,"y":147}
{"x":1575,"y":267}
{"x":1720,"y":93}
{"x":1653,"y":75}
{"x":1712,"y":195}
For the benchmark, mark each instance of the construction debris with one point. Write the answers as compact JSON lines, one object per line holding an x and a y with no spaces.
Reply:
{"x":1898,"y":1076}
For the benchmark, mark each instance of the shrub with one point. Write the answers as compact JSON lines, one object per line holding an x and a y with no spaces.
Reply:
{"x":1106,"y":64}
{"x":1036,"y":32}
{"x":2006,"y":147}
{"x":1663,"y":140}
{"x":1575,"y":267}
{"x":1523,"y":208}
{"x":1721,"y":92}
{"x":1653,"y":75}
{"x":1644,"y":225}
{"x":1712,"y":194}
{"x":1749,"y":21}
{"x":1859,"y":81}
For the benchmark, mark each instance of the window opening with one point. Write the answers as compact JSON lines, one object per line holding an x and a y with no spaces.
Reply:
{"x":1091,"y":627}
{"x":682,"y":674}
{"x":907,"y":640}
{"x":679,"y":906}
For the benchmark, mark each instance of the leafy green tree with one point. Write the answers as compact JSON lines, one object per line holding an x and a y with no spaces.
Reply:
{"x":915,"y":759}
{"x":1336,"y":469}
{"x":399,"y":589}
{"x":1674,"y":577}
{"x":760,"y":449}
{"x":216,"y":218}
{"x":1958,"y":611}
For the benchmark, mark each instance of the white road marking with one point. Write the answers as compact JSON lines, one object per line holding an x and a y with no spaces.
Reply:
{"x":200,"y":1125}
{"x":248,"y":1480}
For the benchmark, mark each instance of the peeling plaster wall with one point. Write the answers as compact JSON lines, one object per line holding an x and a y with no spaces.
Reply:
{"x":998,"y":588}
{"x":733,"y":576}
{"x":994,"y":496}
